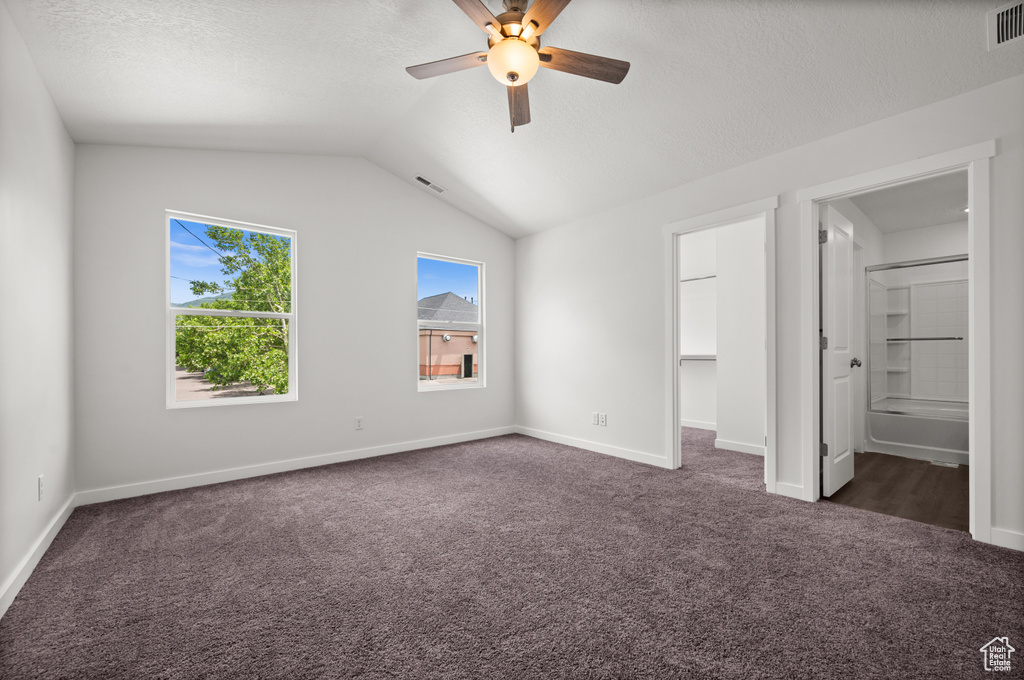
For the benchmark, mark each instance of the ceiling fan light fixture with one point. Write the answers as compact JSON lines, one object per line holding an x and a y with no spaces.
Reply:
{"x":495,"y":33}
{"x":512,"y":61}
{"x":528,"y":30}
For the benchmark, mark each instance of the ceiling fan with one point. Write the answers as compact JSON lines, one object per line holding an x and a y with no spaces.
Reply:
{"x":514,"y":52}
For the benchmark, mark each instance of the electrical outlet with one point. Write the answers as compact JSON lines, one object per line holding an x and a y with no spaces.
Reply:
{"x":359,"y":422}
{"x":603,"y":417}
{"x":39,"y":486}
{"x":595,"y":418}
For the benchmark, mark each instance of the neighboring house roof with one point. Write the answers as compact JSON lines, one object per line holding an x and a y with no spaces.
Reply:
{"x":448,"y":311}
{"x":448,"y":307}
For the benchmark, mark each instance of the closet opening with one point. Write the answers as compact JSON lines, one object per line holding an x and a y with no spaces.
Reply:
{"x":722,"y":316}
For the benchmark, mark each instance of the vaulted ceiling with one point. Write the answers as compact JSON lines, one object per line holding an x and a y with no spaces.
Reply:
{"x":713,"y":84}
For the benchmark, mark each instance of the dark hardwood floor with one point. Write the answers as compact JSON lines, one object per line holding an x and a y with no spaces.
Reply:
{"x":908,"y":488}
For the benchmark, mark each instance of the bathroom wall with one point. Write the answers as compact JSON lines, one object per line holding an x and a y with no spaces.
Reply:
{"x":918,"y":244}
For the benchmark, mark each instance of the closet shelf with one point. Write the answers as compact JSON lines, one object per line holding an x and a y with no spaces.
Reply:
{"x":897,"y":369}
{"x":897,"y":312}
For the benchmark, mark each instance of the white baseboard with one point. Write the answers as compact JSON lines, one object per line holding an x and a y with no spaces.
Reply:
{"x":699,"y":424}
{"x":12,"y":585}
{"x":790,"y":490}
{"x":628,"y":454}
{"x":739,"y":446}
{"x":1008,"y":538}
{"x":112,"y":493}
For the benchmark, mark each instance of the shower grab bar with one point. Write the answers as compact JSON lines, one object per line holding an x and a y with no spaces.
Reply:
{"x":916,"y":339}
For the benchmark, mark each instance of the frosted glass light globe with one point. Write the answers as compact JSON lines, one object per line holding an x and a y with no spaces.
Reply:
{"x":512,"y":62}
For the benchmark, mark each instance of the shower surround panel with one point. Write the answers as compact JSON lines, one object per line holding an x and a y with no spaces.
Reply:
{"x":939,"y":368}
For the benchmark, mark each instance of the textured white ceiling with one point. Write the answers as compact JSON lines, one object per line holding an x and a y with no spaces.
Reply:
{"x":925,"y":203}
{"x":713,"y":84}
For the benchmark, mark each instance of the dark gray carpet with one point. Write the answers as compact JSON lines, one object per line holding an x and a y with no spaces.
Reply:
{"x":508,"y":558}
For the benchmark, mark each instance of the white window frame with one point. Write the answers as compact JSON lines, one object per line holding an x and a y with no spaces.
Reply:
{"x":171,"y":312}
{"x":427,"y":385}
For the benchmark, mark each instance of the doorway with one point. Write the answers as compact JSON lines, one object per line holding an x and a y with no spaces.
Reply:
{"x":722,"y":332}
{"x":899,"y":445}
{"x":970,"y":167}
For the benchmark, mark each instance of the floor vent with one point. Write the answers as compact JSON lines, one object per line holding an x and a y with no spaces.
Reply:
{"x":430,"y":185}
{"x":1005,"y":24}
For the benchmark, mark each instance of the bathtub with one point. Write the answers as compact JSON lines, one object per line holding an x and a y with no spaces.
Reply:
{"x":920,"y":428}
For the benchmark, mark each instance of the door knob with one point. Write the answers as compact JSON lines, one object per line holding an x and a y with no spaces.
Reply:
{"x":854,"y":362}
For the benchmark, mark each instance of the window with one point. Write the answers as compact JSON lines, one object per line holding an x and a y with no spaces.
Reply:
{"x":450,"y":322}
{"x":230,"y":312}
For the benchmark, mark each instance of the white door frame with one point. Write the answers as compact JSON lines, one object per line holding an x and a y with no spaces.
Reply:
{"x":976,"y":160}
{"x":765,"y":208}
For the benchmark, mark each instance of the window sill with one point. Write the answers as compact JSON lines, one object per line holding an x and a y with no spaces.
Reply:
{"x":428,"y":386}
{"x":232,"y":401}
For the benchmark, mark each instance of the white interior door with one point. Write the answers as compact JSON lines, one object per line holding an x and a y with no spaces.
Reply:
{"x":859,"y":330}
{"x":837,"y":388}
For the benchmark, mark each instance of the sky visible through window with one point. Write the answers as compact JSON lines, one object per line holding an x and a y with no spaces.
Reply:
{"x":440,"y":276}
{"x":194,"y":257}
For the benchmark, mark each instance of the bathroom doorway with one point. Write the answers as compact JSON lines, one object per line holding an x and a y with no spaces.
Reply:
{"x":901,"y":250}
{"x":910,"y":331}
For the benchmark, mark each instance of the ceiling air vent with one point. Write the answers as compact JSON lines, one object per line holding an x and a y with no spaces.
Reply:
{"x":430,"y":185}
{"x":1005,"y":24}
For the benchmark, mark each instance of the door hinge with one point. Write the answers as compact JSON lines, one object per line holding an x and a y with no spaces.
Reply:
{"x":823,"y":344}
{"x":824,"y":449}
{"x":822,"y":237}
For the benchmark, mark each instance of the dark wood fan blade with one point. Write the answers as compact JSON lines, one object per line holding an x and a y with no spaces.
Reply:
{"x":518,"y":105}
{"x":543,"y":12}
{"x":480,"y":15}
{"x":450,"y":65}
{"x":586,"y":65}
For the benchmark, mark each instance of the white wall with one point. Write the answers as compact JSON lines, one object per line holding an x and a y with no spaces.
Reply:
{"x":36,"y":163}
{"x":741,"y":340}
{"x":919,"y":244}
{"x":359,"y":229}
{"x":564,"y":286}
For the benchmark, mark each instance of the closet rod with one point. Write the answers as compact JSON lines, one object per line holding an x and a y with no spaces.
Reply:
{"x":697,"y":357}
{"x":697,"y":278}
{"x":916,"y":339}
